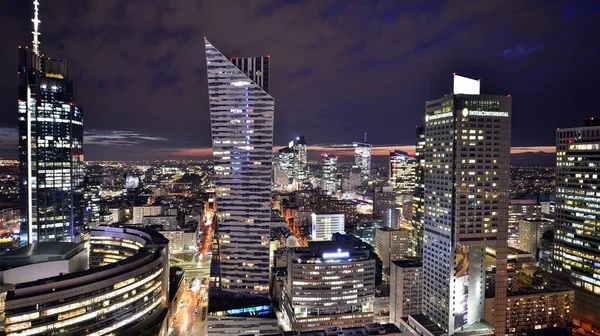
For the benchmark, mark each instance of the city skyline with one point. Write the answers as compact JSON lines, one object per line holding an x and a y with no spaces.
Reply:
{"x":120,"y":113}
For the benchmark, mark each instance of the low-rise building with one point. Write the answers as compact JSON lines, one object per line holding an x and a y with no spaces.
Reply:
{"x":323,"y":226}
{"x":167,"y":222}
{"x":150,"y":210}
{"x":406,"y":282}
{"x":182,"y":240}
{"x":530,"y":233}
{"x":531,"y":309}
{"x":392,"y":244}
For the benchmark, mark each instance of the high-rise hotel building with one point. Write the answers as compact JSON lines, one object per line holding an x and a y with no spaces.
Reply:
{"x":577,"y":216}
{"x":241,"y":117}
{"x":50,"y":148}
{"x":466,"y":179}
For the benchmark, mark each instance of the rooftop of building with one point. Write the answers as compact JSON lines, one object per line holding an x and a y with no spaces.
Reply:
{"x":39,"y":252}
{"x":426,"y":323}
{"x":240,"y":304}
{"x":548,"y":289}
{"x":369,"y":329}
{"x":409,"y":262}
{"x":537,"y":220}
{"x":523,"y":201}
{"x":320,"y":247}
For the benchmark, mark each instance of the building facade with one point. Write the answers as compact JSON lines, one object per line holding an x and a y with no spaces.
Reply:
{"x":300,"y":163}
{"x":139,"y":212}
{"x":530,"y":310}
{"x":50,"y":150}
{"x":521,"y":209}
{"x":328,"y":284}
{"x":402,"y":179}
{"x":124,"y":291}
{"x":329,"y":181}
{"x":418,"y":198}
{"x":393,"y":244}
{"x":466,"y":178}
{"x":384,"y":206}
{"x":362,"y":160}
{"x":577,"y":217}
{"x":530,"y":234}
{"x":406,"y":285}
{"x":241,"y":117}
{"x":323,"y":226}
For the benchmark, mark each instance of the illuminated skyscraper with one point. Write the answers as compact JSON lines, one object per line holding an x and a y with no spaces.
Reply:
{"x":284,"y":168}
{"x":467,"y":173}
{"x":50,"y":148}
{"x":402,"y":172}
{"x":402,"y":179}
{"x":418,"y":199}
{"x":329,"y":181}
{"x":362,"y":160}
{"x":300,"y":162}
{"x":577,"y":216}
{"x":241,"y":115}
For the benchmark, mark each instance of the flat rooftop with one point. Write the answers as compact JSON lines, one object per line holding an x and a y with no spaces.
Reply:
{"x":39,"y":252}
{"x":426,"y":323}
{"x":408,"y":262}
{"x":389,"y":328}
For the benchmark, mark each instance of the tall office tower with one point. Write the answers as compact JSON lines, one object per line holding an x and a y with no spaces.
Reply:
{"x":362,"y":160}
{"x":402,"y":179}
{"x":50,"y":148}
{"x":577,"y":216}
{"x":418,"y":199}
{"x":402,"y":172}
{"x":241,"y":115}
{"x":467,"y":172}
{"x":284,"y":168}
{"x":329,"y":181}
{"x":300,"y":162}
{"x":384,"y":206}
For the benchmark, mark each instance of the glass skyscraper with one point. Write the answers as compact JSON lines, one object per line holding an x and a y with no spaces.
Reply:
{"x":362,"y":160}
{"x":466,"y":179}
{"x":241,"y":117}
{"x":329,"y":170}
{"x":577,"y":216}
{"x":50,"y":149}
{"x":418,"y":198}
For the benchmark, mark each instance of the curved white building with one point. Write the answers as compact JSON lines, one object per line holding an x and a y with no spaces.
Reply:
{"x":328,"y":284}
{"x":124,"y":290}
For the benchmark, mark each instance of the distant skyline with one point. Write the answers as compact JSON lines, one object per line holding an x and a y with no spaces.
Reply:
{"x":364,"y":66}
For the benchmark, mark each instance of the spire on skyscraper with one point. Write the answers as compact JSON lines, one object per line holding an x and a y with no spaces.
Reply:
{"x":36,"y":25}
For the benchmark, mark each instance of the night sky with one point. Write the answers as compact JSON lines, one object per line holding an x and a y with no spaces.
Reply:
{"x":338,"y":68}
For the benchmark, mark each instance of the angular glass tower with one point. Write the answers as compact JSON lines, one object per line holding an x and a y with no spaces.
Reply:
{"x":241,"y":117}
{"x":50,"y":148}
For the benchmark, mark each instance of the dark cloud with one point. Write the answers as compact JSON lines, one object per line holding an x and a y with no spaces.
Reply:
{"x":339,"y":68}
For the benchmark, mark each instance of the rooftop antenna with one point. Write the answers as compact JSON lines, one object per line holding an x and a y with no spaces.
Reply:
{"x":365,"y":138}
{"x":36,"y":25}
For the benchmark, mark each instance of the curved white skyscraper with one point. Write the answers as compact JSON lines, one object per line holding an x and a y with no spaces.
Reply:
{"x":241,"y":118}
